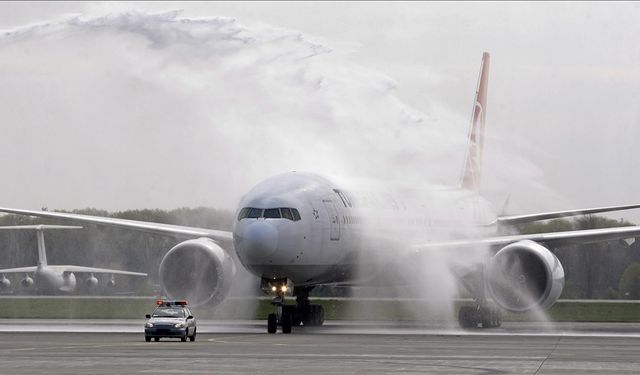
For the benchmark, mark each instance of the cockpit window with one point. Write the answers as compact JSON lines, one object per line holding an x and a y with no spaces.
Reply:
{"x":269,"y":213}
{"x":296,"y":214}
{"x":286,"y":213}
{"x":243,"y":213}
{"x":255,"y":213}
{"x":272,"y":213}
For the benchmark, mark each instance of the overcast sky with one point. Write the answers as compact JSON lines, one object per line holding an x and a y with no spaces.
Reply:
{"x":122,"y":106}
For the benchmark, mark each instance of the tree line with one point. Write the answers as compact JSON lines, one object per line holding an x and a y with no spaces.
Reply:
{"x":602,"y":270}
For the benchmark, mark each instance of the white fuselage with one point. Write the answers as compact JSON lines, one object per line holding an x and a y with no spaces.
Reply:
{"x":346,"y":231}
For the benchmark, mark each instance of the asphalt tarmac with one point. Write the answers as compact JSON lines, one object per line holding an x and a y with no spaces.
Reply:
{"x":118,"y":347}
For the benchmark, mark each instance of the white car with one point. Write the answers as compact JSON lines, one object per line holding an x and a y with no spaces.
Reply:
{"x":170,"y":319}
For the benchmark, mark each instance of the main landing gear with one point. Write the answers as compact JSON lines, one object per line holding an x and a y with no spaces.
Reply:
{"x":288,"y":316}
{"x":486,"y":315}
{"x":482,"y":313}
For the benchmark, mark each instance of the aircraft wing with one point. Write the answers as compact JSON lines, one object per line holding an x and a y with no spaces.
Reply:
{"x":81,"y":269}
{"x":519,"y":219}
{"x":551,"y":239}
{"x":223,"y":237}
{"x":19,"y":270}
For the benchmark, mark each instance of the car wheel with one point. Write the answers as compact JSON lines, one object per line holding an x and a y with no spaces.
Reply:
{"x":147,"y":339}
{"x":193,"y":337}
{"x":156,"y":339}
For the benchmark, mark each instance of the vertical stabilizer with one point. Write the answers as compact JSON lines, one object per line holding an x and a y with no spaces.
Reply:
{"x":42,"y":251}
{"x":472,"y":170}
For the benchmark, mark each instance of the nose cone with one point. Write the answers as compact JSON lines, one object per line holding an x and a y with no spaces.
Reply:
{"x":256,"y":242}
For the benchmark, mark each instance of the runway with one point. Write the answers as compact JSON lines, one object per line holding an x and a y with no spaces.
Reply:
{"x":101,"y":347}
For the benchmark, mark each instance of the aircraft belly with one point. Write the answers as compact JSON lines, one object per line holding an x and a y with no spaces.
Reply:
{"x":305,"y":274}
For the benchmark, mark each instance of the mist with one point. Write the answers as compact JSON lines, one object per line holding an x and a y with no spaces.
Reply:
{"x":155,"y":110}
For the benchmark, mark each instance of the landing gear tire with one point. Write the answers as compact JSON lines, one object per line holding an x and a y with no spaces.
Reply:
{"x":314,"y":315}
{"x":286,"y":322}
{"x":467,"y":317}
{"x":272,"y":323}
{"x":486,"y":316}
{"x":491,"y":317}
{"x":296,"y":320}
{"x":320,"y":315}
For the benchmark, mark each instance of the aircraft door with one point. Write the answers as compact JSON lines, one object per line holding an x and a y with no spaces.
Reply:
{"x":334,"y":220}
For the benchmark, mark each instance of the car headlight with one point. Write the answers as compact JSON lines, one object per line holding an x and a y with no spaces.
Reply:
{"x":180,"y":325}
{"x":149,"y":325}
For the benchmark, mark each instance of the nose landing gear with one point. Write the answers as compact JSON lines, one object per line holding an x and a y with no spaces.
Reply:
{"x":288,"y":316}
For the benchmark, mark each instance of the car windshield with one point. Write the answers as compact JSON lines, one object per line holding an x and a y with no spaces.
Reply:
{"x":168,"y":312}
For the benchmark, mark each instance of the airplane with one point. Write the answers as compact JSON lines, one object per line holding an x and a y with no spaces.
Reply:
{"x":299,"y":230}
{"x":50,"y":279}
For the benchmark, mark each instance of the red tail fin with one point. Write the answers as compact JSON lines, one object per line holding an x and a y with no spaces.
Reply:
{"x":471,"y":173}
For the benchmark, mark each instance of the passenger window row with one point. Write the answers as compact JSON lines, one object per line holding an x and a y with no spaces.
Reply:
{"x":351,"y":220}
{"x":269,"y":213}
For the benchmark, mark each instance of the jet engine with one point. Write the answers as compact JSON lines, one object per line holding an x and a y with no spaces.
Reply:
{"x":27,"y":281}
{"x":4,"y":282}
{"x":524,"y":275}
{"x":92,"y":281}
{"x":197,"y":270}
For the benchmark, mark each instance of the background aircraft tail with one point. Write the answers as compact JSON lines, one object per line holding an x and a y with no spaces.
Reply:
{"x":42,"y":252}
{"x":471,"y":173}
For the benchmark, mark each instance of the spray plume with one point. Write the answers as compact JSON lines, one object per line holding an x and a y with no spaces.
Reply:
{"x":201,"y":109}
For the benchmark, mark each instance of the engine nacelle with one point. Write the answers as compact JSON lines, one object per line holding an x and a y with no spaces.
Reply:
{"x":92,"y":282}
{"x":524,"y":275}
{"x":27,"y":281}
{"x":4,"y":282}
{"x":197,"y":270}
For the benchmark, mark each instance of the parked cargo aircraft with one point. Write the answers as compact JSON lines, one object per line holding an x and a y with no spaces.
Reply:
{"x":303,"y":230}
{"x":48,"y":278}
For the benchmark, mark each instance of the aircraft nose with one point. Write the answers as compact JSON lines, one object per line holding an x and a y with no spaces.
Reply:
{"x":259,"y":241}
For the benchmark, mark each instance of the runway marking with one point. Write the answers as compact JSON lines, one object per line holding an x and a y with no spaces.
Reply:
{"x":86,"y":346}
{"x":548,"y":356}
{"x":19,"y":349}
{"x":221,"y":339}
{"x":375,"y":356}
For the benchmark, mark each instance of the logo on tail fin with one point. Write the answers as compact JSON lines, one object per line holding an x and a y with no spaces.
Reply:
{"x":471,"y":173}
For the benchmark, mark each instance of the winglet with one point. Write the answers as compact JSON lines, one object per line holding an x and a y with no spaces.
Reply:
{"x":471,"y":173}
